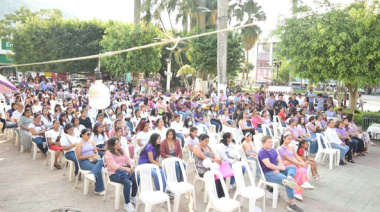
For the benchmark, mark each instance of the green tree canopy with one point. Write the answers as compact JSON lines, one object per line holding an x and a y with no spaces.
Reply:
{"x":38,"y":38}
{"x":202,"y":54}
{"x":120,"y":36}
{"x":342,"y":44}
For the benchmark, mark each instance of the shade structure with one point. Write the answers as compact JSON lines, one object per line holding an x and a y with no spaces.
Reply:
{"x":5,"y":85}
{"x":280,"y":89}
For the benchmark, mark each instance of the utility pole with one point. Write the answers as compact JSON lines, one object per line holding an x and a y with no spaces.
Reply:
{"x":222,"y":45}
{"x":136,"y":11}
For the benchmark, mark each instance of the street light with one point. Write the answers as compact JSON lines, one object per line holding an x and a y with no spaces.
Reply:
{"x":99,"y":94}
{"x":277,"y":64}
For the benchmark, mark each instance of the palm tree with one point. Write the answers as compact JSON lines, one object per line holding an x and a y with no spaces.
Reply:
{"x":249,"y":35}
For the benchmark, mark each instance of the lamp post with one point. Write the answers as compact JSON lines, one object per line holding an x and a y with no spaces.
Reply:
{"x":168,"y":72}
{"x":277,"y":64}
{"x":99,"y":94}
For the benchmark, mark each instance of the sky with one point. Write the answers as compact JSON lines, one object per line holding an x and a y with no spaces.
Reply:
{"x":122,"y":10}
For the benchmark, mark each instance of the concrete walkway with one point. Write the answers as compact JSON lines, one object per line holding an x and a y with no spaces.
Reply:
{"x":29,"y":186}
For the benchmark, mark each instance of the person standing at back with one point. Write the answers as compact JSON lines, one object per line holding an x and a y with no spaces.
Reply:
{"x":311,"y":96}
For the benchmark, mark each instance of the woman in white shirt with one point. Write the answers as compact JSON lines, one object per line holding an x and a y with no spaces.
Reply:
{"x":214,"y":120}
{"x":136,"y":119}
{"x":99,"y":137}
{"x":224,"y":150}
{"x":177,"y":125}
{"x":37,"y":129}
{"x":143,"y":133}
{"x":53,"y":137}
{"x":160,"y":129}
{"x":77,"y":127}
{"x":36,"y":107}
{"x":68,"y":142}
{"x":47,"y":119}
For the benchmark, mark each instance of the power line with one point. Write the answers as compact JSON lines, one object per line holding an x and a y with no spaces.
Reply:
{"x":107,"y":54}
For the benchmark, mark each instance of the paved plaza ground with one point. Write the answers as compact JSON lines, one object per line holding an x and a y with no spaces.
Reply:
{"x":29,"y":186}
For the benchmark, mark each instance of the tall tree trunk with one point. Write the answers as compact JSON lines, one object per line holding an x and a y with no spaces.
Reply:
{"x":136,"y":11}
{"x":339,"y":92}
{"x":201,"y":83}
{"x":170,"y":20}
{"x":353,"y":90}
{"x":222,"y":45}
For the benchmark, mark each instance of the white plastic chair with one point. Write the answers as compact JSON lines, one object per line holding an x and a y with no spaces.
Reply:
{"x":71,"y":166}
{"x":178,"y":188}
{"x":323,"y":152}
{"x":257,"y":142}
{"x":34,"y":150}
{"x":147,"y":194}
{"x":199,"y":178}
{"x":250,"y":192}
{"x":275,"y":186}
{"x":276,"y":119}
{"x":51,"y":153}
{"x":87,"y":181}
{"x":225,"y":204}
{"x":118,"y":187}
{"x":266,"y":128}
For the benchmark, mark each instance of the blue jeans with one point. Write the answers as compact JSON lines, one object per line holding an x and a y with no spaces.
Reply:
{"x":313,"y":145}
{"x":100,"y":152}
{"x":10,"y":124}
{"x":125,"y":179}
{"x":180,"y":136}
{"x":156,"y":183}
{"x":343,"y":149}
{"x":96,"y":169}
{"x":183,"y":115}
{"x":356,"y":143}
{"x":130,"y":126}
{"x":40,"y":144}
{"x":277,"y":178}
{"x":71,"y":156}
{"x":178,"y":171}
{"x":218,"y":125}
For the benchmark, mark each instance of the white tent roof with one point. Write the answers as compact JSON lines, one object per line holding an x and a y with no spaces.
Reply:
{"x":280,"y":89}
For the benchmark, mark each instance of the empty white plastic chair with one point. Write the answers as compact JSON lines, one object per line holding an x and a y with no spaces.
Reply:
{"x":225,"y":203}
{"x":178,"y":188}
{"x":266,"y":129}
{"x":327,"y":150}
{"x":147,"y":194}
{"x":257,"y":142}
{"x":250,"y":192}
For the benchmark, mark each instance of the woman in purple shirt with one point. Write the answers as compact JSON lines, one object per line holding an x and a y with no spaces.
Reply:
{"x":151,"y":154}
{"x":344,"y":137}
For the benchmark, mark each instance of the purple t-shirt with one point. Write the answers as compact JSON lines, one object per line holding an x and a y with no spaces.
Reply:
{"x":144,"y":156}
{"x":187,"y":104}
{"x":271,"y":154}
{"x":342,"y":132}
{"x":200,"y":117}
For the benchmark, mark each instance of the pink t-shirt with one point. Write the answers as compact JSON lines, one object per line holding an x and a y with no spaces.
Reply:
{"x":255,"y":121}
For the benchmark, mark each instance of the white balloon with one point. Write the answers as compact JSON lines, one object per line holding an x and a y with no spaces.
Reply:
{"x":214,"y":166}
{"x":207,"y":163}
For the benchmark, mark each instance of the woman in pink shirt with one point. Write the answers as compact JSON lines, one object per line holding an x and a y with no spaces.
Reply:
{"x":257,"y":121}
{"x":121,"y":170}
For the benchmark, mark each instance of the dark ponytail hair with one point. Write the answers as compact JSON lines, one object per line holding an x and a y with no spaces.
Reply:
{"x":283,"y":136}
{"x":300,"y":144}
{"x":225,"y":136}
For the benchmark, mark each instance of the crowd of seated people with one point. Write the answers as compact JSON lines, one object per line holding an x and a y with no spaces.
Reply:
{"x":148,"y":127}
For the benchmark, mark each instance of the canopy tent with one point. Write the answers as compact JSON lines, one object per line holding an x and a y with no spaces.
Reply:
{"x":280,"y":89}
